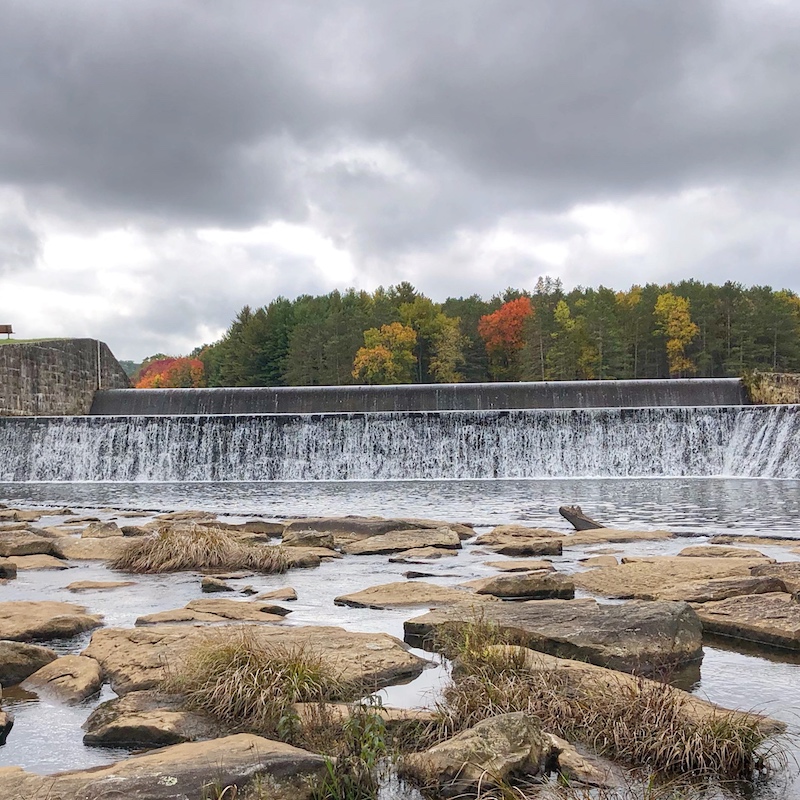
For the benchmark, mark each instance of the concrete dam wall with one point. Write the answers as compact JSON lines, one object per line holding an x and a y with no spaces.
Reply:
{"x":55,"y":377}
{"x":423,"y":397}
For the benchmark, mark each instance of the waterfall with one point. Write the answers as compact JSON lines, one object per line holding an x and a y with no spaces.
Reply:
{"x":740,"y":441}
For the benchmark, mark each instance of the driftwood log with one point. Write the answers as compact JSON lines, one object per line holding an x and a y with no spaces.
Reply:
{"x":578,"y":519}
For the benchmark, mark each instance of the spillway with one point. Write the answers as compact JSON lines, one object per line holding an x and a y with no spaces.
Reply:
{"x":737,"y":441}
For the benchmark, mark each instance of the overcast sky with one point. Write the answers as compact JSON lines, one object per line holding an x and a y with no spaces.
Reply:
{"x":165,"y":162}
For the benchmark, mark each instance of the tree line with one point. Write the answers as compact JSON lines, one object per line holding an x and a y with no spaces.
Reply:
{"x":398,"y":335}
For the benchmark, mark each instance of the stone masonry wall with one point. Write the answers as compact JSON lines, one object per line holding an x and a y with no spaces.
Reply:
{"x":56,"y":377}
{"x":773,"y":387}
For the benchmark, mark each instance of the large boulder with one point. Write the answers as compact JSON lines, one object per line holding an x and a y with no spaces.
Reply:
{"x":215,"y":610}
{"x":786,"y":571}
{"x":91,"y":549}
{"x":24,"y":543}
{"x":492,"y":753}
{"x":720,"y":551}
{"x":136,"y":658}
{"x":403,"y":594}
{"x":716,"y":589}
{"x":640,"y":637}
{"x":25,"y":563}
{"x":294,"y":538}
{"x":8,"y":569}
{"x":29,"y":620}
{"x":517,"y":540}
{"x":180,"y":772}
{"x":101,"y":530}
{"x":18,"y":660}
{"x":525,"y":586}
{"x":70,"y":678}
{"x":146,"y":719}
{"x":398,"y":541}
{"x":350,"y":529}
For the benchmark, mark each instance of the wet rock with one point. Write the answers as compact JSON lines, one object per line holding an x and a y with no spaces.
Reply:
{"x":81,"y":520}
{"x":24,"y":543}
{"x":773,"y":540}
{"x":183,"y":516}
{"x":268,"y":530}
{"x":146,"y":719}
{"x":351,"y":528}
{"x":720,"y":551}
{"x":135,"y":658}
{"x":582,"y":768}
{"x":399,"y":595}
{"x":525,"y":585}
{"x":654,"y":578}
{"x":101,"y":530}
{"x":520,"y":565}
{"x":421,"y":555}
{"x":18,"y":515}
{"x":8,"y":569}
{"x":181,"y":771}
{"x":517,"y":540}
{"x":403,"y":540}
{"x":303,"y":558}
{"x":787,"y":571}
{"x":413,"y":574}
{"x":18,"y":660}
{"x":613,"y":535}
{"x":307,"y":539}
{"x":599,"y":561}
{"x":38,"y":562}
{"x":6,"y":724}
{"x":70,"y":678}
{"x":772,"y":619}
{"x":286,"y":593}
{"x":722,"y":588}
{"x":97,"y":586}
{"x":309,"y":714}
{"x":93,"y":549}
{"x":210,"y":584}
{"x":490,"y":753}
{"x":218,"y":610}
{"x":139,"y":530}
{"x":27,"y":620}
{"x":641,"y":637}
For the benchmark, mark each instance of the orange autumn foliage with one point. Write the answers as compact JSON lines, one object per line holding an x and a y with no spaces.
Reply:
{"x":502,"y":330}
{"x":172,"y":373}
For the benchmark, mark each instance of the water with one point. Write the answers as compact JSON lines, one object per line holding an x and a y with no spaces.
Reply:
{"x":697,"y":508}
{"x":731,"y":441}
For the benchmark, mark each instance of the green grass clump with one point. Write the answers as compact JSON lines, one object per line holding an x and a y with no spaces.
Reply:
{"x":192,"y":547}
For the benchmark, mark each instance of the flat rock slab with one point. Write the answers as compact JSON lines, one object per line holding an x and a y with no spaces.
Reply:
{"x":18,"y":660}
{"x":8,"y":569}
{"x":69,"y":678}
{"x":721,"y":551}
{"x":599,"y":561}
{"x":92,"y":549}
{"x":146,"y":719}
{"x":716,"y":589}
{"x":516,"y":540}
{"x":218,"y":610}
{"x":178,"y":772}
{"x":24,"y":563}
{"x":525,"y":586}
{"x":287,"y":593}
{"x":640,"y":637}
{"x":397,"y":541}
{"x":787,"y":571}
{"x":24,"y":543}
{"x":352,"y":528}
{"x":610,"y":535}
{"x":135,"y":658}
{"x":771,"y":619}
{"x":404,"y":594}
{"x":307,"y":539}
{"x":97,"y":586}
{"x":656,"y":577}
{"x":520,"y":565}
{"x":419,"y":555}
{"x":777,"y":541}
{"x":29,"y":621}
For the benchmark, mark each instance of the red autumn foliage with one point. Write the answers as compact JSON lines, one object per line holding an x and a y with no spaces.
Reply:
{"x":172,"y":373}
{"x":502,"y":330}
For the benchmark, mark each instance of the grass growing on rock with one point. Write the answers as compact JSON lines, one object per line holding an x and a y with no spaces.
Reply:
{"x":191,"y":547}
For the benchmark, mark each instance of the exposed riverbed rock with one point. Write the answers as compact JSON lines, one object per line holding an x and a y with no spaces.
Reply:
{"x":97,"y":586}
{"x":210,"y":584}
{"x":493,"y":752}
{"x":772,"y":540}
{"x":352,"y":528}
{"x":772,"y":619}
{"x":420,"y":555}
{"x":92,"y":549}
{"x":293,"y":538}
{"x":20,"y":515}
{"x":720,"y":551}
{"x":580,"y":768}
{"x":517,"y":540}
{"x":101,"y":530}
{"x":214,"y":610}
{"x":286,"y":593}
{"x":180,"y":772}
{"x":18,"y":660}
{"x":6,"y":724}
{"x":575,"y":516}
{"x":640,"y":637}
{"x":8,"y":569}
{"x":613,"y":535}
{"x":722,"y":588}
{"x":656,"y":577}
{"x":520,"y":565}
{"x":135,"y":658}
{"x":398,"y":541}
{"x":399,"y":595}
{"x":599,"y":561}
{"x":525,"y":586}
{"x":25,"y":563}
{"x":70,"y":678}
{"x":25,"y":543}
{"x":30,"y":621}
{"x":787,"y":571}
{"x":146,"y":719}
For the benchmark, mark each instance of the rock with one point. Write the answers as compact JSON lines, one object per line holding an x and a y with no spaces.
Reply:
{"x":18,"y":660}
{"x":24,"y":543}
{"x":584,"y":769}
{"x":308,"y":713}
{"x":398,"y":541}
{"x":81,"y":520}
{"x":787,"y":571}
{"x":349,"y":529}
{"x":70,"y":678}
{"x":38,"y":562}
{"x":210,"y":584}
{"x":640,"y":637}
{"x":413,"y":574}
{"x":97,"y":586}
{"x":286,"y":593}
{"x":719,"y":551}
{"x":8,"y":569}
{"x":654,"y":578}
{"x":612,"y":535}
{"x":516,"y":540}
{"x":181,"y":771}
{"x":525,"y":585}
{"x":15,"y":526}
{"x":6,"y":724}
{"x":93,"y":549}
{"x":135,"y":658}
{"x":101,"y":530}
{"x":146,"y":719}
{"x":599,"y":561}
{"x":302,"y":558}
{"x":578,"y":519}
{"x":520,"y":565}
{"x":307,"y":539}
{"x":18,"y":515}
{"x":218,"y":610}
{"x":772,"y":619}
{"x":183,"y":516}
{"x":419,"y":555}
{"x":402,"y":594}
{"x":722,"y":588}
{"x":491,"y":753}
{"x":139,"y":530}
{"x":28,"y":620}
{"x":773,"y":540}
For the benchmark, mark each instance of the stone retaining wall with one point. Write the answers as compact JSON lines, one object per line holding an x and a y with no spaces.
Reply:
{"x":56,"y":377}
{"x":773,"y":387}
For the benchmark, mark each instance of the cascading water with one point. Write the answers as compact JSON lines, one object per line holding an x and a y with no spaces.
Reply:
{"x":737,"y":441}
